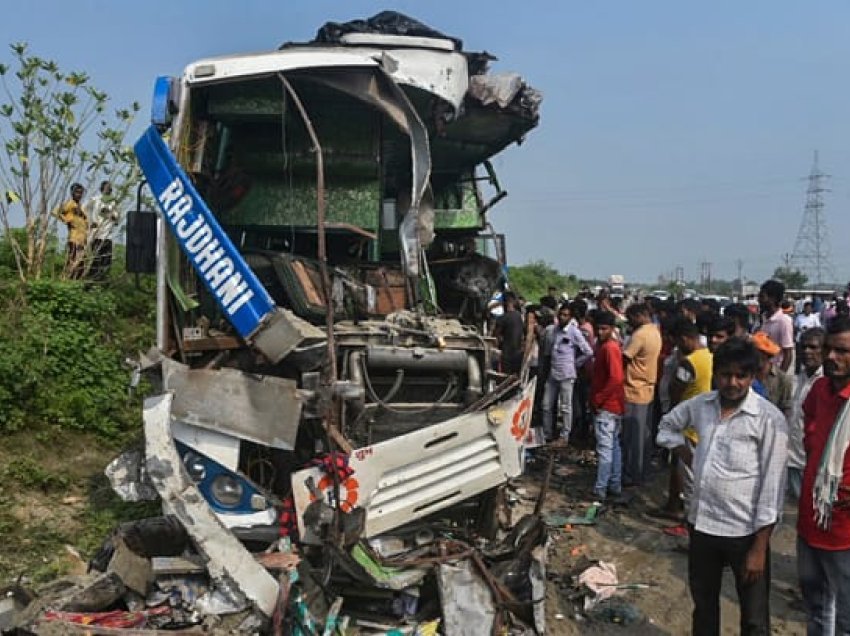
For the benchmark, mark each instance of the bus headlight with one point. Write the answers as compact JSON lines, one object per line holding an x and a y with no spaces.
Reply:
{"x":195,"y":466}
{"x":227,"y":491}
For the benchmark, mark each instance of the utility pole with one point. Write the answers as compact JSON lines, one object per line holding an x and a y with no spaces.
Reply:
{"x":705,"y":275}
{"x":811,"y":254}
{"x":740,"y":264}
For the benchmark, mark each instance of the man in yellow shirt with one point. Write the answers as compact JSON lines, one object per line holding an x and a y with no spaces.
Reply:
{"x":692,"y":377}
{"x":75,"y":218}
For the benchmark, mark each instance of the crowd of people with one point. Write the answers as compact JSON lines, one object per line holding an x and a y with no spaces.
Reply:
{"x":742,"y":408}
{"x":91,"y":225}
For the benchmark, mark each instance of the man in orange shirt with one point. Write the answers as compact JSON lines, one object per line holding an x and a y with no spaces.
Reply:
{"x":641,"y":373}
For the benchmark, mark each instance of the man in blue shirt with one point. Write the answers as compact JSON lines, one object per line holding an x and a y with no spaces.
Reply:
{"x":567,"y":350}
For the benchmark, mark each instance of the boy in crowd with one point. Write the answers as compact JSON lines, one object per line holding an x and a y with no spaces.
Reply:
{"x":608,"y":402}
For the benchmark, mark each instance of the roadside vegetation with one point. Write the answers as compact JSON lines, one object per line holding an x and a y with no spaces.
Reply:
{"x":533,"y":280}
{"x":65,"y":408}
{"x":65,"y":412}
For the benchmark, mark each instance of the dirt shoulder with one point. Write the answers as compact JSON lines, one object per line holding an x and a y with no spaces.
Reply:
{"x":56,"y":506}
{"x":634,"y":542}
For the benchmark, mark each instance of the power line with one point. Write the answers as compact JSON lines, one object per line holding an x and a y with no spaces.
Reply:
{"x":811,"y":254}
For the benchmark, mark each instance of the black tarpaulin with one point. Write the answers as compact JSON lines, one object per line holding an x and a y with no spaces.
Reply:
{"x":385,"y":22}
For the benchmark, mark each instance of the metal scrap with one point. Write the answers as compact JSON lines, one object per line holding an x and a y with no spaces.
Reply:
{"x":225,"y":556}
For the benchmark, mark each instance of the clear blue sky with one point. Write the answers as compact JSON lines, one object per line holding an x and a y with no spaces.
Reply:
{"x":671,"y":131}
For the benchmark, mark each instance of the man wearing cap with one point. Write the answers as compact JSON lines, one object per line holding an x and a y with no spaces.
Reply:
{"x":775,"y":386}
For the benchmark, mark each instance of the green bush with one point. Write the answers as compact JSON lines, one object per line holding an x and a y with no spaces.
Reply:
{"x":62,"y":346}
{"x":532,"y":280}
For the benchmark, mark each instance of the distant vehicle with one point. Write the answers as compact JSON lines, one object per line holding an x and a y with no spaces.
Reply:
{"x":617,"y":283}
{"x":689,"y":293}
{"x":662,"y":294}
{"x":723,"y":301}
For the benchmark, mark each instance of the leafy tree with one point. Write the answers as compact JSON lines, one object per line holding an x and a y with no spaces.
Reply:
{"x":54,"y":130}
{"x":793,"y":278}
{"x":533,"y":280}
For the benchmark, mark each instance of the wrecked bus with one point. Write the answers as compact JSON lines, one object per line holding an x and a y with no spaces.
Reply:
{"x":324,"y":263}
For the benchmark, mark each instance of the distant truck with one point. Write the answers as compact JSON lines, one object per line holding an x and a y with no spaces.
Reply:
{"x":617,"y":284}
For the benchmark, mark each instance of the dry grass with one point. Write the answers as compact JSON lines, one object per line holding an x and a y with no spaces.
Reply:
{"x":53,"y":494}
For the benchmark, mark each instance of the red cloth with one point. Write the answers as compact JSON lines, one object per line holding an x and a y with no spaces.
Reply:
{"x":606,"y":384}
{"x":819,"y":412}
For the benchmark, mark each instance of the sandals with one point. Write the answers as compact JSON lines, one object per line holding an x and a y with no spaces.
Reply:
{"x":676,"y":531}
{"x":667,"y":515}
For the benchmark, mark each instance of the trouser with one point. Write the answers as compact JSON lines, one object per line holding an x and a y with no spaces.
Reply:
{"x":687,"y":474}
{"x":562,"y":390}
{"x":825,"y":581}
{"x":581,"y":408}
{"x":681,"y":485}
{"x":101,"y":259}
{"x":708,"y":556}
{"x":75,"y":262}
{"x":608,"y":454}
{"x":794,"y":483}
{"x":637,"y":442}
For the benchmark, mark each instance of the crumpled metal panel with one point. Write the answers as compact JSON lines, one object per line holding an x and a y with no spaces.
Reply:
{"x":228,"y":562}
{"x":411,"y":476}
{"x":258,"y":408}
{"x":499,"y":88}
{"x":128,"y":477}
{"x":468,"y":608}
{"x":439,"y":72}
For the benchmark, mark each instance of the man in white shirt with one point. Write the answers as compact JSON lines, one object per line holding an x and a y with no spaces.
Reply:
{"x":102,"y":218}
{"x":811,"y":356}
{"x":739,"y":466}
{"x":806,"y":320}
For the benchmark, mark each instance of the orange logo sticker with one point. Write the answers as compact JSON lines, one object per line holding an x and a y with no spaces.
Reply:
{"x":522,"y":419}
{"x":347,"y":492}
